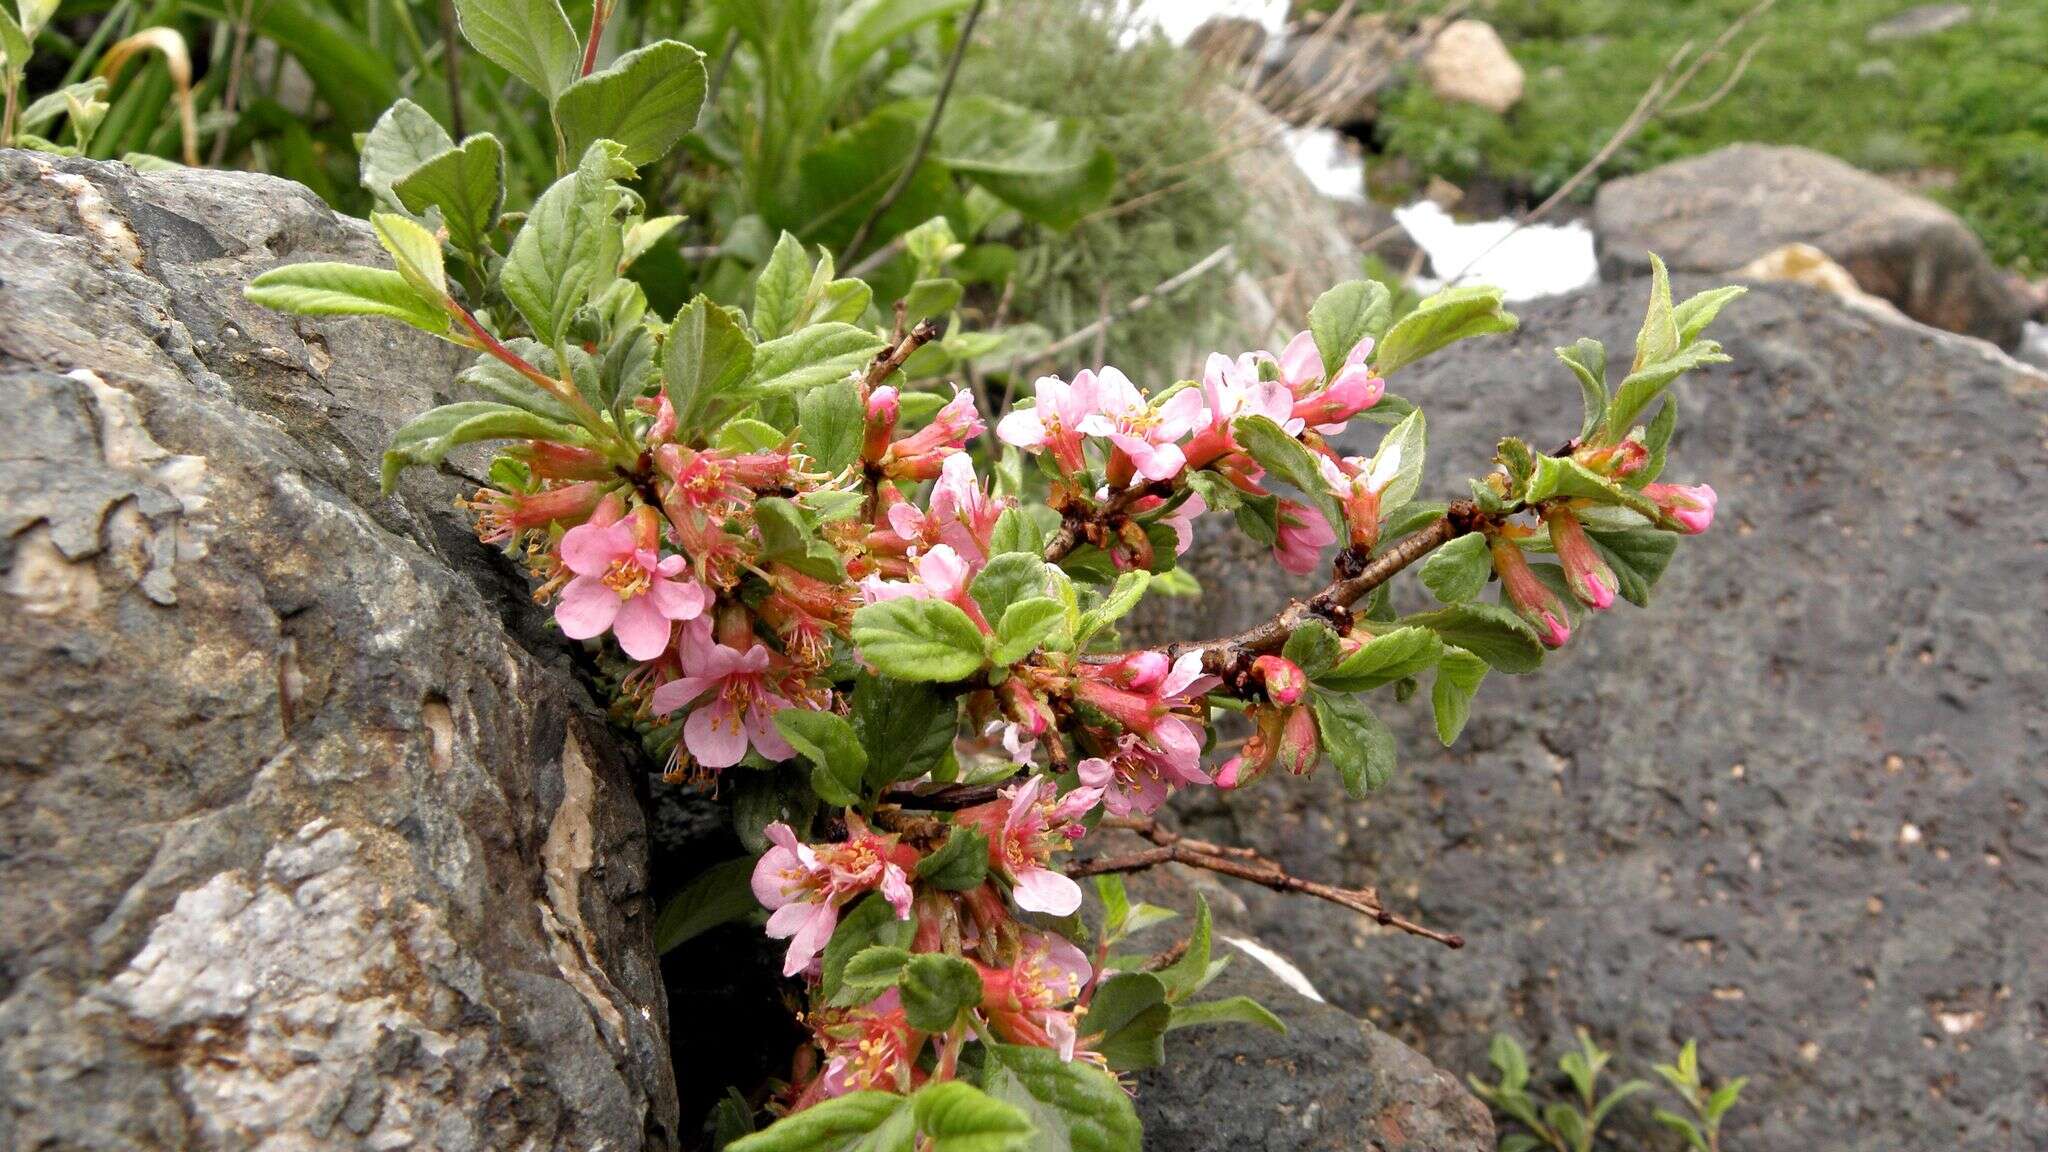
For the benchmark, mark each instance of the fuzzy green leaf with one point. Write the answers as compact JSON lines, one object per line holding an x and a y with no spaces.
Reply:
{"x":1458,"y":571}
{"x":1127,"y":1021}
{"x":918,"y":640}
{"x":1356,"y":741}
{"x":1075,"y":1106}
{"x":467,"y":184}
{"x":706,"y":356}
{"x":1588,"y":361}
{"x":1230,"y":1010}
{"x":907,"y":728}
{"x":1451,"y":315}
{"x":646,"y":100}
{"x":531,"y":39}
{"x":955,"y":1116}
{"x":1396,"y":655}
{"x":718,"y":895}
{"x":567,"y":253}
{"x":1346,"y":314}
{"x":960,"y":864}
{"x":1458,"y":675}
{"x":935,"y":988}
{"x":780,"y":289}
{"x":346,"y":290}
{"x":403,"y":138}
{"x":855,"y":1122}
{"x":812,"y":356}
{"x":428,"y":438}
{"x":1488,"y":631}
{"x":1283,"y":456}
{"x":1028,"y":625}
{"x":831,"y":421}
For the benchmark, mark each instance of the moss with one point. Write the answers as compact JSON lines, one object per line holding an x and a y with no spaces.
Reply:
{"x":1969,"y":103}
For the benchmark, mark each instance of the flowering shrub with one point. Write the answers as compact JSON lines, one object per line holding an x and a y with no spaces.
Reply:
{"x":887,"y":630}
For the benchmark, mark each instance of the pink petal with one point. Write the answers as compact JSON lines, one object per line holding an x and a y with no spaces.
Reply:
{"x":679,"y":599}
{"x":714,"y":736}
{"x":642,"y":630}
{"x":586,"y":608}
{"x":587,"y":549}
{"x":1022,"y":429}
{"x":811,"y":940}
{"x":1300,"y":363}
{"x":761,"y":730}
{"x":1043,"y":890}
{"x":769,"y":883}
{"x":896,"y":890}
{"x":676,"y":693}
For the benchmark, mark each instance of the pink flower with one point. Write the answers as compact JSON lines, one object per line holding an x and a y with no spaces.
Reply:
{"x":1588,"y":576}
{"x":1053,"y":423}
{"x":920,"y":455}
{"x":1024,"y":1002}
{"x":962,"y":515}
{"x":871,"y":1048}
{"x":742,"y":707}
{"x":805,"y":885}
{"x":1230,"y":389}
{"x":1024,"y":827}
{"x":1303,"y":535}
{"x":940,"y":575}
{"x":624,"y":586}
{"x":1352,"y":390}
{"x":1357,"y":482}
{"x":1531,"y":598}
{"x":1140,"y":693}
{"x":1148,"y":435}
{"x":1690,"y":505}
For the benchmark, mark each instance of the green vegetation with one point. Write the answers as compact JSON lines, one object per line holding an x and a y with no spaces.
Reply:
{"x":1962,"y":112}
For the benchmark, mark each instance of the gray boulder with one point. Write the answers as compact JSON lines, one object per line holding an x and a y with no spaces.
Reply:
{"x":1332,"y":1081}
{"x":307,"y":838}
{"x":1717,"y":212}
{"x":1792,"y":810}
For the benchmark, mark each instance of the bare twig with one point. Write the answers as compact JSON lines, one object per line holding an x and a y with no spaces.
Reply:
{"x":888,"y":360}
{"x":924,"y":140}
{"x":451,"y":65}
{"x":231,"y":94}
{"x":1246,"y":864}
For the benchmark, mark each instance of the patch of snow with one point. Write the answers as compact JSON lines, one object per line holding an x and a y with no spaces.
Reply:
{"x":1539,"y":260}
{"x":1178,"y":19}
{"x":1279,"y":966}
{"x":1323,"y":155}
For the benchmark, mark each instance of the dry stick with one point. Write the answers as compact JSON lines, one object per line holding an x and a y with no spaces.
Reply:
{"x":924,"y":140}
{"x":1246,"y":864}
{"x":231,"y":96}
{"x":1661,"y":92}
{"x":451,"y":57}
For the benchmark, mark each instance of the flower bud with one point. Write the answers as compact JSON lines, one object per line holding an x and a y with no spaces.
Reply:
{"x":1530,"y":597}
{"x":884,"y":407}
{"x":1588,"y":576}
{"x":1283,"y":679}
{"x":1299,"y":746}
{"x":1690,"y":505}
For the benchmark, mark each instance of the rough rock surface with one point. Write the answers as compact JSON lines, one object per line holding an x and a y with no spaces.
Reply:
{"x":1468,"y":63}
{"x":303,"y":842}
{"x":1717,"y":212}
{"x":1793,"y":810}
{"x":1332,"y":1081}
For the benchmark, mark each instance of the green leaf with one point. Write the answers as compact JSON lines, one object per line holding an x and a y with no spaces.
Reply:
{"x":467,"y":184}
{"x":1313,"y":648}
{"x":428,"y":438}
{"x":1638,"y":557}
{"x":828,"y":741}
{"x":1396,"y":655}
{"x":707,"y":355}
{"x":1028,"y":625}
{"x":1008,"y":578}
{"x":1458,"y":571}
{"x":16,"y":49}
{"x":1723,"y":1099}
{"x":1683,"y":1127}
{"x":346,"y":290}
{"x":918,"y":640}
{"x":718,"y":895}
{"x":780,"y":289}
{"x":1073,"y":1105}
{"x":646,"y":100}
{"x":907,"y":728}
{"x":1402,"y":451}
{"x":1284,"y":456}
{"x":1693,"y":316}
{"x":531,"y":39}
{"x":831,"y":422}
{"x":1458,"y":675}
{"x":1127,"y":1019}
{"x":1489,"y":631}
{"x":403,"y":138}
{"x":1621,"y":1092}
{"x":862,"y":29}
{"x":958,"y":1117}
{"x":929,"y":298}
{"x":1230,"y":1010}
{"x":1509,"y":1059}
{"x":815,"y":355}
{"x":873,"y":971}
{"x":855,"y":1122}
{"x":1356,"y":741}
{"x":960,"y":864}
{"x":868,"y":922}
{"x":1451,"y":315}
{"x":1646,"y":384}
{"x":567,"y":253}
{"x":1346,"y":314}
{"x":1048,"y":168}
{"x":1016,"y":531}
{"x":1187,"y":975}
{"x":414,"y":251}
{"x":1658,"y":441}
{"x":1123,"y":596}
{"x":936,"y":988}
{"x":1658,"y":340}
{"x":1588,"y":361}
